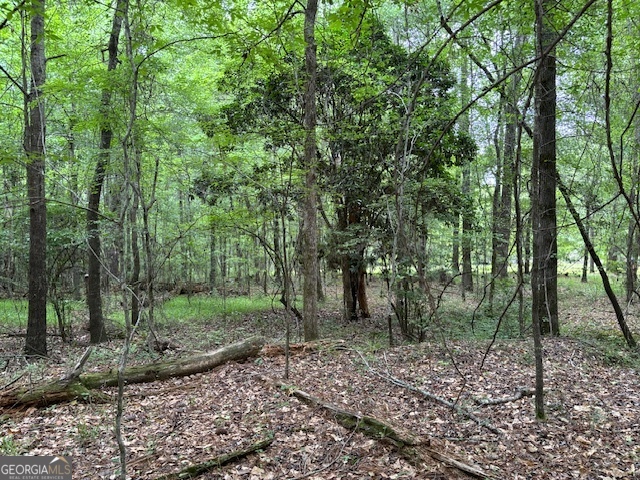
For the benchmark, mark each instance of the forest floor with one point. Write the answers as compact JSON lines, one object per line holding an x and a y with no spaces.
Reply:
{"x":592,"y":404}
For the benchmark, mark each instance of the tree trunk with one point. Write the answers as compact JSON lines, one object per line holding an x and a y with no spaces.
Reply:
{"x":544,"y":277}
{"x":544,"y":310}
{"x":134,"y":282}
{"x":34,"y":145}
{"x":193,"y":471}
{"x":503,"y":225}
{"x":97,"y":330}
{"x":519,"y":229}
{"x":348,"y":293}
{"x":310,"y":232}
{"x":465,"y":243}
{"x":212,"y":257}
{"x":496,"y":208}
{"x":633,"y":237}
{"x":352,"y":262}
{"x":78,"y":387}
{"x":455,"y":252}
{"x":363,"y":303}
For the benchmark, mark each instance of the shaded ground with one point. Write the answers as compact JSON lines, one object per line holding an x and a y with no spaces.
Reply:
{"x":593,"y":430}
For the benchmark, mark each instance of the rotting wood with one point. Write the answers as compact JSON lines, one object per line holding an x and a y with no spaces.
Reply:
{"x":304,"y":348}
{"x":407,"y":444}
{"x":82,"y":387}
{"x":204,"y":467}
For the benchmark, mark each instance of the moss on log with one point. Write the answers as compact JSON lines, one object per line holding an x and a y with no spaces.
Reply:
{"x":198,"y":469}
{"x":82,"y":387}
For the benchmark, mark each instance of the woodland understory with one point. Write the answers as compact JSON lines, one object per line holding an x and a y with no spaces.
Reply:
{"x":592,"y":401}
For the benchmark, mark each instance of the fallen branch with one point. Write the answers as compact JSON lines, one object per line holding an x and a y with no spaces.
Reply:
{"x":522,"y":392}
{"x":368,"y":425}
{"x":456,"y":408}
{"x":407,"y":444}
{"x":81,"y":387}
{"x":77,"y":370}
{"x":276,"y":350}
{"x":204,"y":467}
{"x":436,"y":398}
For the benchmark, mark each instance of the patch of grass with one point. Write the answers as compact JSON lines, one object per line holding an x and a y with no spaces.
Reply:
{"x":87,"y":434}
{"x":608,"y":345}
{"x":570,"y":287}
{"x":204,"y":307}
{"x":464,"y":323}
{"x":13,"y":313}
{"x":9,"y":446}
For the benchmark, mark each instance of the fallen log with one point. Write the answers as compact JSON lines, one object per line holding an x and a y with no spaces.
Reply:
{"x":81,"y":387}
{"x":407,"y":444}
{"x":217,"y":462}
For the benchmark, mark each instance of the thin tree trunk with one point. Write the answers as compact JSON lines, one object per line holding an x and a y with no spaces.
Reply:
{"x":503,"y":229}
{"x":465,"y":243}
{"x":519,"y":230}
{"x":632,"y":236}
{"x":94,"y":296}
{"x":310,"y":256}
{"x":496,"y":209}
{"x":455,"y":253}
{"x":585,"y":264}
{"x":212,"y":257}
{"x":34,"y":145}
{"x":134,"y":282}
{"x":624,"y":328}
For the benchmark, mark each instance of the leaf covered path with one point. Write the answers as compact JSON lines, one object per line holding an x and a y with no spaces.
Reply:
{"x":593,"y":431}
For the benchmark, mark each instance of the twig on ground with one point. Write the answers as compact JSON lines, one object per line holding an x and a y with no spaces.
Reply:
{"x":456,"y":408}
{"x":332,"y":462}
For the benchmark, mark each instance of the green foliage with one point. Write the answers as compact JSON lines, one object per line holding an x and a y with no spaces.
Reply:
{"x":9,"y":446}
{"x":13,"y":313}
{"x":206,"y":308}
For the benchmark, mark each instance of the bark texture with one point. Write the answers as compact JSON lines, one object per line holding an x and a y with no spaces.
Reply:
{"x":544,"y":274}
{"x":310,"y":232}
{"x":34,"y":145}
